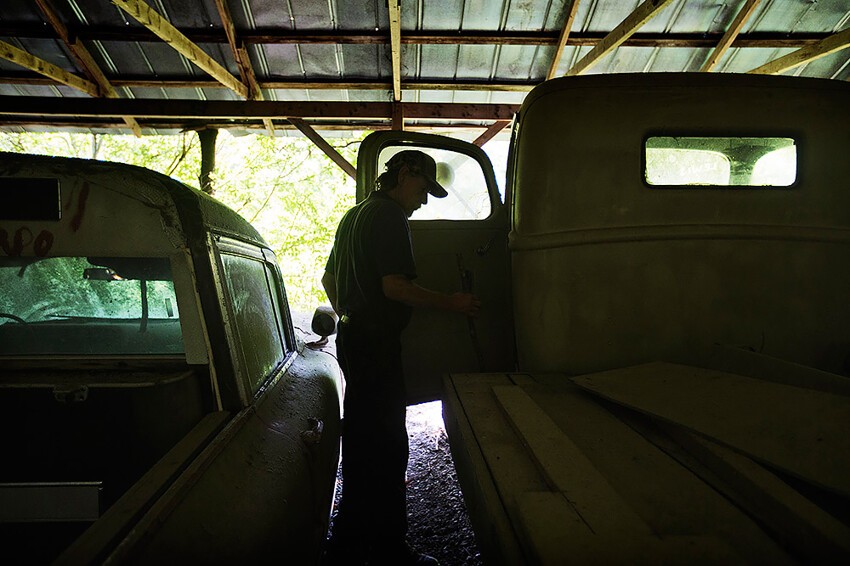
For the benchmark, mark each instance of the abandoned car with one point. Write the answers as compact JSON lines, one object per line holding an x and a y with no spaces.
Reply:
{"x":155,"y":399}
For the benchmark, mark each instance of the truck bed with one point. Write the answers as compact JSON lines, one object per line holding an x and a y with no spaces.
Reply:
{"x":553,"y":472}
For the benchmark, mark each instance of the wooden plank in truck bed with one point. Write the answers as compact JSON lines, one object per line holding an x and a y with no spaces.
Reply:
{"x":567,"y":470}
{"x":800,"y":431}
{"x":487,"y":492}
{"x":667,"y":510}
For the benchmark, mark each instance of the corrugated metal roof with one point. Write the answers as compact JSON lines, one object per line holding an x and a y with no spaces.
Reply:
{"x":483,"y":52}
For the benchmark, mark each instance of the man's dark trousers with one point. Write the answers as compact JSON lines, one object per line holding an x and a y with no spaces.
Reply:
{"x":373,"y":509}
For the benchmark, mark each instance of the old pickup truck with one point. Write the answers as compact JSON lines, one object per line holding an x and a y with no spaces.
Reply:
{"x":156,"y":404}
{"x":659,"y":374}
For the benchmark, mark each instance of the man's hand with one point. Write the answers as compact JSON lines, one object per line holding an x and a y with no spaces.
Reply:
{"x":400,"y":288}
{"x":465,"y":303}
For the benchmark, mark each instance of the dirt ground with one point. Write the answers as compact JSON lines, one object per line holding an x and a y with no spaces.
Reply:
{"x":438,"y":521}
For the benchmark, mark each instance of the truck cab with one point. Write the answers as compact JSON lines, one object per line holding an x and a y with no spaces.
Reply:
{"x":660,"y":369}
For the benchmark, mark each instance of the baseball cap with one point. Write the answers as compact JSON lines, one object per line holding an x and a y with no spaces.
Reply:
{"x":422,"y":164}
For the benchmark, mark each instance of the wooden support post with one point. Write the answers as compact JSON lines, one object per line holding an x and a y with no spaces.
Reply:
{"x":730,"y":35}
{"x":86,"y":62}
{"x":152,"y":20}
{"x":207,"y":137}
{"x":491,"y":132}
{"x":833,"y":43}
{"x":562,"y":40}
{"x":327,"y":148}
{"x":398,"y":116}
{"x":243,"y":60}
{"x":394,"y":8}
{"x":33,"y":63}
{"x":633,"y":22}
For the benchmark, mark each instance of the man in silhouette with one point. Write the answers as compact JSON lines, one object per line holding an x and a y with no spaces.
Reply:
{"x":369,"y":281}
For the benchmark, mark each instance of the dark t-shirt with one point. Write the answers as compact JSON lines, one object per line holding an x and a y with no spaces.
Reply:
{"x":373,"y":240}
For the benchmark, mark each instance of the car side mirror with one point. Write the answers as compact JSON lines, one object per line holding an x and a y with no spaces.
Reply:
{"x":324,"y":321}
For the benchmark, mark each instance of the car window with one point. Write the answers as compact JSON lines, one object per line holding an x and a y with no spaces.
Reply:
{"x":278,"y":293}
{"x":460,"y":175}
{"x":779,"y":168}
{"x":673,"y":166}
{"x":720,"y":161}
{"x":255,"y":315}
{"x":88,"y":306}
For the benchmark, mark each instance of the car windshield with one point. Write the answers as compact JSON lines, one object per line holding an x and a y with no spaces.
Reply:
{"x":88,"y":306}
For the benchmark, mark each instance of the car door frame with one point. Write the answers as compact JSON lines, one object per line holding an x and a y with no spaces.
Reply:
{"x":437,"y":343}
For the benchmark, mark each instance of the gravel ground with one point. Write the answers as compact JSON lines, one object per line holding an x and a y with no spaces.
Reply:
{"x":438,"y":520}
{"x":439,"y":523}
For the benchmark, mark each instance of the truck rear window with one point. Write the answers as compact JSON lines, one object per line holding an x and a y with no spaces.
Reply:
{"x":720,"y":161}
{"x":88,"y":306}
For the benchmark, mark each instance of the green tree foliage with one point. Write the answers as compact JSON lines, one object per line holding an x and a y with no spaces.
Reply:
{"x":177,"y":156}
{"x":286,"y":187}
{"x":295,"y":196}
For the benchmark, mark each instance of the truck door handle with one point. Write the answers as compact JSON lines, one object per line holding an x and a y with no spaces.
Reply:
{"x":482,"y":250}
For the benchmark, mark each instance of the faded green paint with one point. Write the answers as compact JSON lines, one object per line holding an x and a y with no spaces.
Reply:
{"x":609,"y":273}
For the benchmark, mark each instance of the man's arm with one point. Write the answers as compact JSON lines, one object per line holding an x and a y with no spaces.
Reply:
{"x":400,"y":288}
{"x":329,"y":283}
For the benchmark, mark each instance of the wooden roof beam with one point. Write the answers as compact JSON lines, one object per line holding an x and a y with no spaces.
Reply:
{"x":297,"y":84}
{"x":42,"y":67}
{"x":90,"y":123}
{"x":243,"y":60}
{"x":394,"y":7}
{"x":184,"y":109}
{"x":491,"y":132}
{"x":833,"y":43}
{"x":327,"y":148}
{"x":152,"y":20}
{"x":730,"y":35}
{"x":562,"y":40}
{"x":642,"y":14}
{"x":398,"y":116}
{"x":276,"y":36}
{"x":85,"y":60}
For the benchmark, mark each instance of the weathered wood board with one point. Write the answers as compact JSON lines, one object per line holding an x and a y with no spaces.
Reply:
{"x":547,"y":471}
{"x":797,"y":430}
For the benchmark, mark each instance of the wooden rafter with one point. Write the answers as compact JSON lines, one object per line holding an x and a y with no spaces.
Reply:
{"x":247,"y":125}
{"x":184,"y":109}
{"x":833,"y":43}
{"x":398,"y":116}
{"x":42,"y":67}
{"x":322,"y":144}
{"x":642,"y":14}
{"x":151,"y":19}
{"x":730,"y":35}
{"x":266,"y":36}
{"x":298,"y":84}
{"x":491,"y":132}
{"x":394,"y":7}
{"x":243,"y":61}
{"x":562,"y":40}
{"x":85,"y":60}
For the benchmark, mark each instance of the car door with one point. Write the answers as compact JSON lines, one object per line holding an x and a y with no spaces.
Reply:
{"x":460,"y":243}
